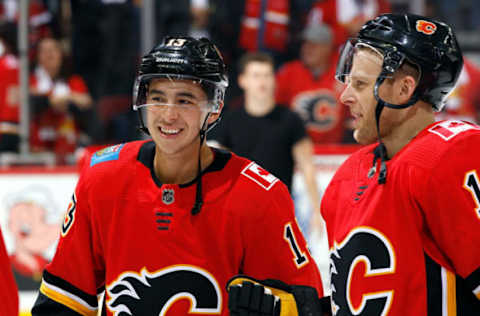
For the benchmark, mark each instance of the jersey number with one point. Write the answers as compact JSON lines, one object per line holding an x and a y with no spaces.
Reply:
{"x":69,"y":216}
{"x":299,"y":257}
{"x":472,"y":184}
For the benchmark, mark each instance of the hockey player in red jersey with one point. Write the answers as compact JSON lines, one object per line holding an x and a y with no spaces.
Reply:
{"x":161,"y":225}
{"x":8,"y":288}
{"x":403,"y":213}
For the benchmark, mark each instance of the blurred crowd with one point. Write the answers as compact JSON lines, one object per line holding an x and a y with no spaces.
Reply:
{"x":84,"y":54}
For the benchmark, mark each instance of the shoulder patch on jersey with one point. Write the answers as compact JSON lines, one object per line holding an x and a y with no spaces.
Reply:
{"x":259,"y":175}
{"x":449,"y":129}
{"x":106,"y":154}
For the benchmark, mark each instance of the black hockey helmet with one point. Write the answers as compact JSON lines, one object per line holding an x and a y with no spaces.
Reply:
{"x":187,"y":58}
{"x":427,"y":44}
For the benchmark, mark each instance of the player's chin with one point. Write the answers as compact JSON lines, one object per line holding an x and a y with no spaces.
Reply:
{"x":362,"y":137}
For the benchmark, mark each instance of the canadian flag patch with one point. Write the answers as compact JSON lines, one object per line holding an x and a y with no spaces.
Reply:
{"x":261,"y":176}
{"x":449,"y":129}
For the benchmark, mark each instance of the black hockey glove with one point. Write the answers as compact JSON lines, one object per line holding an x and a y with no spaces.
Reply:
{"x":251,"y":297}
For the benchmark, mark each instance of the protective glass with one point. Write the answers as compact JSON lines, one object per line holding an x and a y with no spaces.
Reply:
{"x":144,"y":97}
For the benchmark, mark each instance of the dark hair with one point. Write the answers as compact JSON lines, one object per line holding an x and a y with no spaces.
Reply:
{"x":66,"y":67}
{"x":253,"y":57}
{"x":8,"y":33}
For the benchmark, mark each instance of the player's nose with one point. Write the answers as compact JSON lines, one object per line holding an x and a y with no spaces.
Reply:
{"x":169,"y":112}
{"x":347,"y":97}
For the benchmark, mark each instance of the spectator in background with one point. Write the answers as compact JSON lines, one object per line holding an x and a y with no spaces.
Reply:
{"x":200,"y":11}
{"x":314,"y":92}
{"x":39,"y":20}
{"x":9,"y":90}
{"x":273,"y":136}
{"x":245,"y":26}
{"x":270,"y":26}
{"x":464,"y":102}
{"x":62,"y":106}
{"x":346,"y":17}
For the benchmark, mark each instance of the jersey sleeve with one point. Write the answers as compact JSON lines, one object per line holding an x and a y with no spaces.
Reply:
{"x":274,"y":245}
{"x":72,"y":280}
{"x":451,"y":206}
{"x":8,"y":288}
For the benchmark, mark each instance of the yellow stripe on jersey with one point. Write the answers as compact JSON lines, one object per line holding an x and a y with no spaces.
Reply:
{"x":71,"y":301}
{"x":449,"y":293}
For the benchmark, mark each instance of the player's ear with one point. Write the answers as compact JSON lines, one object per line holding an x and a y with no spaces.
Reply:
{"x":406,"y":88}
{"x":215,"y":115}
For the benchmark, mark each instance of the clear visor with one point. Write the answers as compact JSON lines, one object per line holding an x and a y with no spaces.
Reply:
{"x":186,"y":93}
{"x":345,"y":62}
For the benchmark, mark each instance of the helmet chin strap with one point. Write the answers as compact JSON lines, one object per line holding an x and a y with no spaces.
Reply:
{"x":381,"y":151}
{"x":198,"y":193}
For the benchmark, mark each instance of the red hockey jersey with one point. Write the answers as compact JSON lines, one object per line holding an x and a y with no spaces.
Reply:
{"x":314,"y":99}
{"x":410,"y":246}
{"x":136,"y":237}
{"x":8,"y":288}
{"x":9,"y":89}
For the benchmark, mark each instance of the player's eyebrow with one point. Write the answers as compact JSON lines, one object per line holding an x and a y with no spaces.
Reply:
{"x":187,"y":94}
{"x":179,"y":94}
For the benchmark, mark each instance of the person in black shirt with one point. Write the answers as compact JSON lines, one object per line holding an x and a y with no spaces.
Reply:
{"x":273,"y":136}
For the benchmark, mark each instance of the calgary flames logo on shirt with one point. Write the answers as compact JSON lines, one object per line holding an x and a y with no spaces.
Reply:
{"x":147,"y":293}
{"x":357,"y":265}
{"x":426,"y":27}
{"x":318,"y":109}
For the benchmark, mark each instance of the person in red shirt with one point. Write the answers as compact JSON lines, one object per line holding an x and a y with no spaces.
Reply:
{"x":345,"y":17}
{"x":161,"y":225}
{"x":464,"y":101}
{"x":403,"y":212}
{"x":58,"y":98}
{"x":8,"y":288}
{"x":314,"y":92}
{"x":9,"y":89}
{"x":41,"y":22}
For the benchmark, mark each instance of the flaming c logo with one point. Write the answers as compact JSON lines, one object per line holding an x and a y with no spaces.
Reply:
{"x":426,"y":27}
